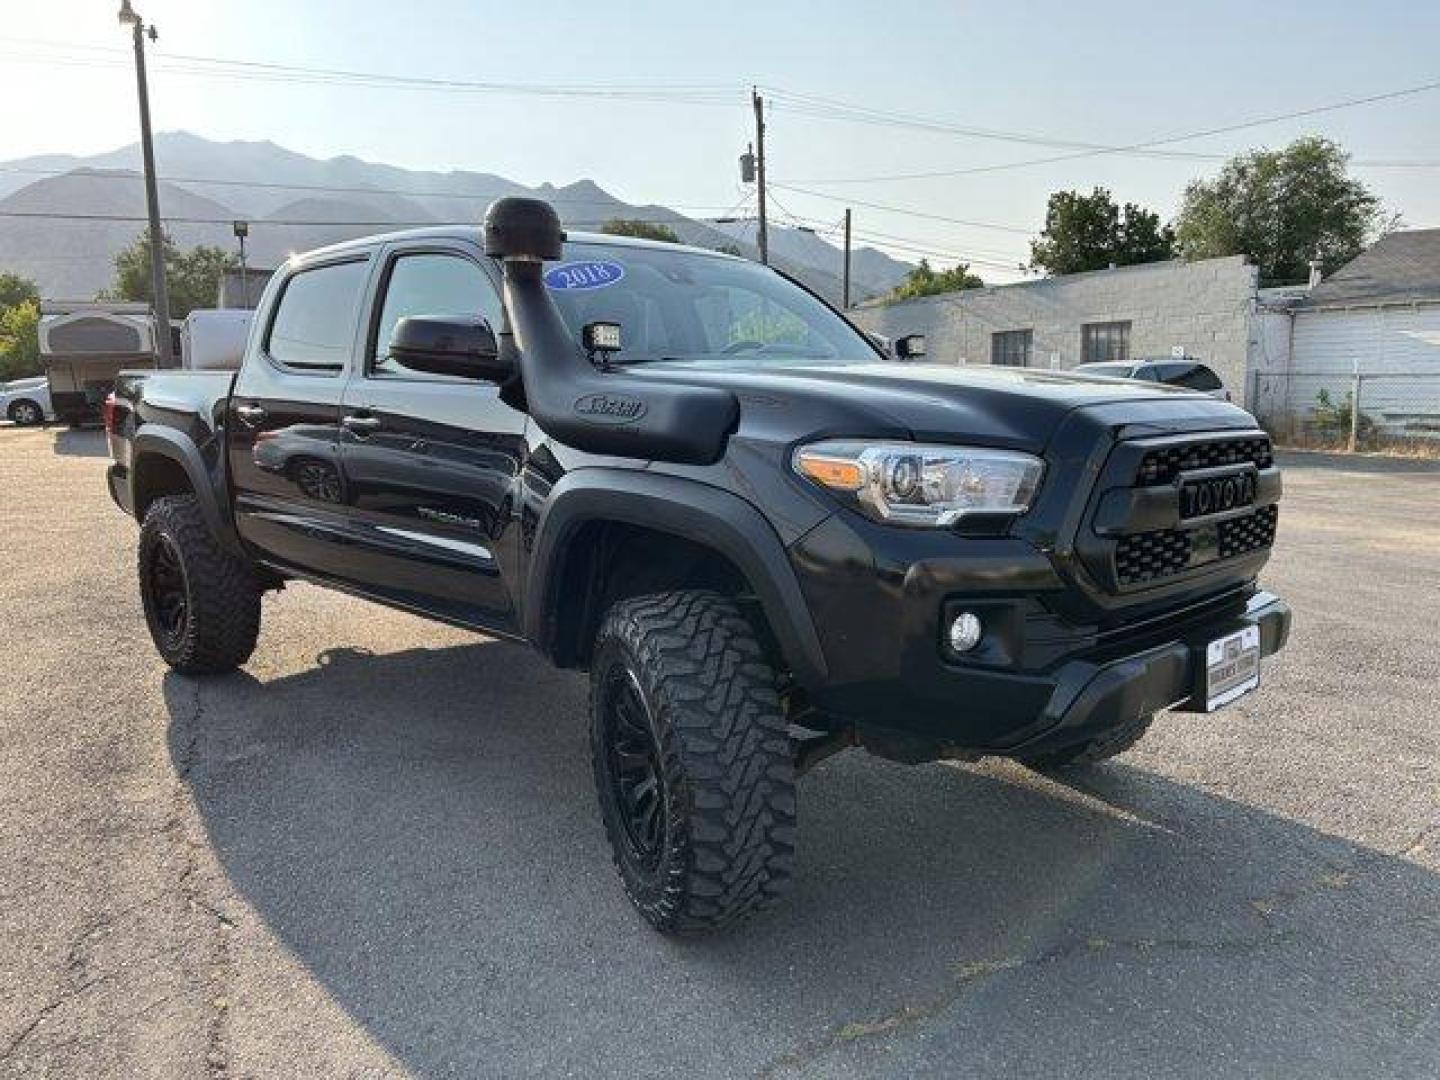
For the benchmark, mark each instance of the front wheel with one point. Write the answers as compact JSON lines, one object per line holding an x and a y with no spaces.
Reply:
{"x":25,"y":413}
{"x":202,"y":603}
{"x":692,"y":760}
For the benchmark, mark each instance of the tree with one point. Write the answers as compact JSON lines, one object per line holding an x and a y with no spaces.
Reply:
{"x":1091,"y":232}
{"x":1282,"y":208}
{"x":645,"y":230}
{"x":193,"y":276}
{"x":20,"y":340}
{"x":15,"y":289}
{"x":922,"y":280}
{"x":19,"y":328}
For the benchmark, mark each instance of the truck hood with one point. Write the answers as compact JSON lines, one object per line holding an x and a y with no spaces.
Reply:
{"x":1017,"y":408}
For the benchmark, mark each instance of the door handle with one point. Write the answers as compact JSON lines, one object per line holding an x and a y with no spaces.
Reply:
{"x":361,"y":425}
{"x":250,"y":414}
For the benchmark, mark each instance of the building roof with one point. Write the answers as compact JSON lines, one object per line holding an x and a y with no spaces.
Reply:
{"x":1401,"y":268}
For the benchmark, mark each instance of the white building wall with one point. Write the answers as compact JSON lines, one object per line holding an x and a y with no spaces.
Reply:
{"x":1203,"y":307}
{"x":1396,"y":348}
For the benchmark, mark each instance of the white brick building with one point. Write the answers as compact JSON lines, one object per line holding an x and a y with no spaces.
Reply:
{"x":1206,"y":308}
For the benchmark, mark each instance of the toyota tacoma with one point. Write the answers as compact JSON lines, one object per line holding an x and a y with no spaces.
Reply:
{"x":764,"y":539}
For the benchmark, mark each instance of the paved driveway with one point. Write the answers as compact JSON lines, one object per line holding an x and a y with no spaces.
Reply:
{"x":375,"y":851}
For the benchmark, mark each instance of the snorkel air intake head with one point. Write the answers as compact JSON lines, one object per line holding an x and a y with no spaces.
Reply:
{"x":600,"y":412}
{"x":524,"y":229}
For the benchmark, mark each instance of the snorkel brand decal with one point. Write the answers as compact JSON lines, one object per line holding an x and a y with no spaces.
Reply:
{"x":604,"y":408}
{"x":591,"y":274}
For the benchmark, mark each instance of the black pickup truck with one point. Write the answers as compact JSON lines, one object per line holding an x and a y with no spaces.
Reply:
{"x":763,"y":538}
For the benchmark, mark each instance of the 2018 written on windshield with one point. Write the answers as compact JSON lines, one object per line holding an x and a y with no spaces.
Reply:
{"x":584,"y":275}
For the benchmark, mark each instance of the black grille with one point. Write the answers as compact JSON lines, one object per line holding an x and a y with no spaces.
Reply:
{"x":1150,"y":555}
{"x":1240,"y":536}
{"x":1164,"y":463}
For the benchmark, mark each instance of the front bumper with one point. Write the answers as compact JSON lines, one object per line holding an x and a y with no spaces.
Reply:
{"x":1091,"y":697}
{"x":1040,"y":679}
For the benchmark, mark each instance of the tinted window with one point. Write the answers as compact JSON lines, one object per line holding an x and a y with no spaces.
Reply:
{"x":430,"y":284}
{"x":1011,"y":348}
{"x":1101,"y":342}
{"x":1194,"y":376}
{"x":314,"y":325}
{"x":685,"y":307}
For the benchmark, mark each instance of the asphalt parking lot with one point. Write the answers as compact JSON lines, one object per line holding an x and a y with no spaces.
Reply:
{"x":375,"y":851}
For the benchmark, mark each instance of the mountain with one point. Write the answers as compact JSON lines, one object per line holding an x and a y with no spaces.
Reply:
{"x":294,"y":202}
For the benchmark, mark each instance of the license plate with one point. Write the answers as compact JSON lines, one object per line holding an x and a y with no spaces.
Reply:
{"x":1232,"y":667}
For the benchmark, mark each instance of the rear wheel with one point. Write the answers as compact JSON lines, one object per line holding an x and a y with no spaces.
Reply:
{"x":25,"y":413}
{"x":1107,"y":745}
{"x":692,"y":760}
{"x":202,"y":603}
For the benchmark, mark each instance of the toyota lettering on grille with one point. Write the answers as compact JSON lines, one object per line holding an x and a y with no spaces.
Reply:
{"x":1206,"y":495}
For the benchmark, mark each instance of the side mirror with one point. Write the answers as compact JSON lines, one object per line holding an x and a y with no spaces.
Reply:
{"x":910,"y":347}
{"x":459,"y":345}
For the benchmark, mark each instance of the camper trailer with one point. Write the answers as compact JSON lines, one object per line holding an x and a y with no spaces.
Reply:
{"x":84,"y":345}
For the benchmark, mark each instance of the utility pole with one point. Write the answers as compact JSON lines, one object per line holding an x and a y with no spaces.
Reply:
{"x":164,"y":347}
{"x":764,"y":236}
{"x":847,"y":260}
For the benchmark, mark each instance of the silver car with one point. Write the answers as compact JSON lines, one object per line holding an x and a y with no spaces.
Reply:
{"x":26,"y":401}
{"x":1191,"y":374}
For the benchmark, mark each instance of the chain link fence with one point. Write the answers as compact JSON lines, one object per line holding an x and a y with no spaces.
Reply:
{"x":1372,"y":410}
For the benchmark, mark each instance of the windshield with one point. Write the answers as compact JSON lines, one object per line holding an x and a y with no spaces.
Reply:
{"x":685,"y":307}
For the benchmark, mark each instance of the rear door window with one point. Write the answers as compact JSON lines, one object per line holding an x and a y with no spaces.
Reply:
{"x":314,"y":326}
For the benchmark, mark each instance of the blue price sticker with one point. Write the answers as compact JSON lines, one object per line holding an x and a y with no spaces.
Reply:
{"x":583,"y":275}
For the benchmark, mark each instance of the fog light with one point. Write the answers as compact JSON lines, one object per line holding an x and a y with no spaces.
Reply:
{"x":965,"y":632}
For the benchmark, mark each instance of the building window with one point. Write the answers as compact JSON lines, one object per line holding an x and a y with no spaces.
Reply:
{"x":1105,"y":342}
{"x":1011,"y":348}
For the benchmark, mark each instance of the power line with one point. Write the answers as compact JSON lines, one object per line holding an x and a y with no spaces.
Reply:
{"x":861,"y":114}
{"x":45,"y":215}
{"x":973,"y":256}
{"x":184,"y":63}
{"x":902,"y":210}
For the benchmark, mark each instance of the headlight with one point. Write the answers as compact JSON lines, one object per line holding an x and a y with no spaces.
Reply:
{"x":919,"y":484}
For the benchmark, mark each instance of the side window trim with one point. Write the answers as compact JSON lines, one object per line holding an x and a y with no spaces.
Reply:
{"x":388,"y":259}
{"x":309,"y":371}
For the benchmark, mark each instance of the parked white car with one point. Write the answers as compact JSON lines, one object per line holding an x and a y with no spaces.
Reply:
{"x":26,"y":401}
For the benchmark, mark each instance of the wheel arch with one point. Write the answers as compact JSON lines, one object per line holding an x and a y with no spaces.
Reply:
{"x":709,"y":538}
{"x":165,"y":462}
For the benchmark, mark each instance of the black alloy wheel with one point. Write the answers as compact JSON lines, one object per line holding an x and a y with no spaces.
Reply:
{"x":692,"y":758}
{"x":631,"y":764}
{"x":169,"y":595}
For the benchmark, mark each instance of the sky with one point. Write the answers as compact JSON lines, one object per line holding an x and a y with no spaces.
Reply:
{"x":663,"y":107}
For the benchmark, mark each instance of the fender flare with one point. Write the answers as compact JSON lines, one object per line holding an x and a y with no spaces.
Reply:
{"x":157,"y":440}
{"x":705,"y":515}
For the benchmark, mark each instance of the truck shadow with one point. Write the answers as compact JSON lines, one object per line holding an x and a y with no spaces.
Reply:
{"x":81,"y":442}
{"x":418,"y":829}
